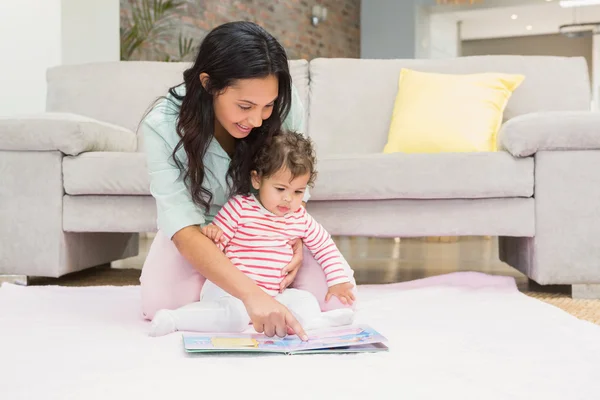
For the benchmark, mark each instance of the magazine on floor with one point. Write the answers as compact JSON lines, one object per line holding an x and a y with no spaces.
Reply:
{"x":346,"y":339}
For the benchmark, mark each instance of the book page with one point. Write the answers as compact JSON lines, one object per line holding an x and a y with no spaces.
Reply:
{"x":322,"y":339}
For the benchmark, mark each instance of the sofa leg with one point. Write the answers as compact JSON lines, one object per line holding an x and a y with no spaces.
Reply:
{"x":15,"y":279}
{"x":586,"y":291}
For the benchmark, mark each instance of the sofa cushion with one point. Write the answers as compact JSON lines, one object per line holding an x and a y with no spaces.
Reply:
{"x":356,"y":177}
{"x":351,"y":100}
{"x":68,"y":133}
{"x":106,"y":173}
{"x":417,"y":218}
{"x":529,"y":134}
{"x":468,"y":111}
{"x":121,"y":92}
{"x":109,"y":214}
{"x":423,"y":176}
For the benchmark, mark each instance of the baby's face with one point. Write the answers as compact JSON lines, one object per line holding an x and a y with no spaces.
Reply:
{"x":279,"y":193}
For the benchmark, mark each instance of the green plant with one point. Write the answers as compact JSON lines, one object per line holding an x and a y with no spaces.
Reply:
{"x":149,"y":24}
{"x":186,"y":47}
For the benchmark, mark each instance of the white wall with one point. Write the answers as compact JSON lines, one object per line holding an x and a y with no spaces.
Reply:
{"x":30,"y":42}
{"x":38,"y":34}
{"x":90,"y":31}
{"x":596,"y":73}
{"x":423,"y":32}
{"x":543,"y":18}
{"x":387,"y":29}
{"x":437,"y":35}
{"x":407,"y":29}
{"x":444,"y":41}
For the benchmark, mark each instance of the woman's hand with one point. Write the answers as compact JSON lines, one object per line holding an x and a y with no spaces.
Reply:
{"x":271,"y":317}
{"x":294,"y":265}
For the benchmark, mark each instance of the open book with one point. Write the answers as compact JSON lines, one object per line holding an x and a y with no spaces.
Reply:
{"x":346,"y":339}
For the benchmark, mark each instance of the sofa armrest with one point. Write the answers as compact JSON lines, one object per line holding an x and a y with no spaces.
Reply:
{"x":527,"y":134}
{"x":70,"y":134}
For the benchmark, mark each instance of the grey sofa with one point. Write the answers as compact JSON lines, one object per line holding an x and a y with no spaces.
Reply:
{"x":75,"y":191}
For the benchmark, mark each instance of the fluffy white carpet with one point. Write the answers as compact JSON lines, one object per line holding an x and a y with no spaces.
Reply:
{"x":463,"y":335}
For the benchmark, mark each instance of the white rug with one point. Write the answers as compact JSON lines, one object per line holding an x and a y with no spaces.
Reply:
{"x":463,"y":335}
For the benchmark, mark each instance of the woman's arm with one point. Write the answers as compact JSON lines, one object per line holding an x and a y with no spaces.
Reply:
{"x":206,"y":257}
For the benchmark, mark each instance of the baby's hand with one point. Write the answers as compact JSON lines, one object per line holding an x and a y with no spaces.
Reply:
{"x":213,"y":232}
{"x":342,"y":291}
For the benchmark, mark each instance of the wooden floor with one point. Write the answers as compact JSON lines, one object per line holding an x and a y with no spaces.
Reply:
{"x":374,"y":261}
{"x":377,"y":261}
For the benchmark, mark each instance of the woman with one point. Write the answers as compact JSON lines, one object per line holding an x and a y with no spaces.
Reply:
{"x":200,"y":141}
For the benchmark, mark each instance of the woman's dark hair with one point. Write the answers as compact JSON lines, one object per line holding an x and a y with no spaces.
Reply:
{"x":230,"y":52}
{"x":290,"y":150}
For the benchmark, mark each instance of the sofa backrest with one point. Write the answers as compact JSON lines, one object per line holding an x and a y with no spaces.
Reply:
{"x":121,"y":92}
{"x":351,"y":100}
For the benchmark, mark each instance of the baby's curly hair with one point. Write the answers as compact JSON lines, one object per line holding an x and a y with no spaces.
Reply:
{"x":290,"y":150}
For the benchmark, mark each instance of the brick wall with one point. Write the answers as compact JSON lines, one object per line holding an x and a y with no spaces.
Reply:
{"x":288,"y":20}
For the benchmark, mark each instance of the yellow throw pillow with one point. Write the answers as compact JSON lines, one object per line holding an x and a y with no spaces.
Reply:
{"x":436,"y":113}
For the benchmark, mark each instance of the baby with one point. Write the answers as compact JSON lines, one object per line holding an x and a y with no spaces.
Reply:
{"x":254,"y":232}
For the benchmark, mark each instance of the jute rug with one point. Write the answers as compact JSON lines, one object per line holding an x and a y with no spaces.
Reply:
{"x":587,"y":310}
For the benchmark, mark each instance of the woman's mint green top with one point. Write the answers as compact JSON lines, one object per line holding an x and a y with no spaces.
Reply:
{"x":175,"y":207}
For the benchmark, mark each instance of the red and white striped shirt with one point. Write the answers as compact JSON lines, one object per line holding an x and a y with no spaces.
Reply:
{"x":256,"y":242}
